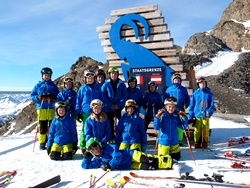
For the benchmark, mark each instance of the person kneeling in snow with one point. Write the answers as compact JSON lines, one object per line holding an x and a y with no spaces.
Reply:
{"x":109,"y":157}
{"x":62,"y":140}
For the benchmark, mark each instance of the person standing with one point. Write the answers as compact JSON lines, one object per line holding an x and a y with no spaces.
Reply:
{"x":134,"y":93}
{"x":88,"y":92}
{"x":181,"y":94}
{"x":114,"y":96}
{"x":100,"y":77}
{"x":152,"y":103}
{"x":201,"y":108}
{"x":68,"y":95}
{"x":44,"y":95}
{"x":166,"y":121}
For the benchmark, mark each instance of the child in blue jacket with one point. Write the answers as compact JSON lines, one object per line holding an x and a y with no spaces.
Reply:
{"x":152,"y":103}
{"x":68,"y":95}
{"x":97,"y":124}
{"x":130,"y":131}
{"x":167,"y":121}
{"x":109,"y":157}
{"x":62,"y":140}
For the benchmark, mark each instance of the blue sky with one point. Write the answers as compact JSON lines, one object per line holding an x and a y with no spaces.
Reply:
{"x":36,"y":34}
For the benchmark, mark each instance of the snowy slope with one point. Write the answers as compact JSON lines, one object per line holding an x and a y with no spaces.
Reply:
{"x":33,"y":167}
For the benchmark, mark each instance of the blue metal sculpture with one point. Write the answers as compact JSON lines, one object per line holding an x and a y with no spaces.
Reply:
{"x":135,"y":54}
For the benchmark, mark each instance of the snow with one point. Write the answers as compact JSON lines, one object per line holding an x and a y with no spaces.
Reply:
{"x":16,"y":153}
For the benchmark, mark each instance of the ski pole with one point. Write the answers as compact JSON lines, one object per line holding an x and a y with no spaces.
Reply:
{"x":35,"y":139}
{"x":156,"y":142}
{"x":108,"y":170}
{"x":190,"y":148}
{"x":90,"y":180}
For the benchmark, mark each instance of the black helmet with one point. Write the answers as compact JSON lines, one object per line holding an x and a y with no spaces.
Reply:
{"x":46,"y":70}
{"x":132,"y":79}
{"x":101,"y":72}
{"x":152,"y":83}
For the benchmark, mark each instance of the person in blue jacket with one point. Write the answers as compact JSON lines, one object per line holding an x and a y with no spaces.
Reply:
{"x":166,"y":121}
{"x":44,"y":95}
{"x":152,"y":103}
{"x":130,"y":131}
{"x":68,"y":95}
{"x":97,"y":124}
{"x":88,"y":92}
{"x":114,"y":96}
{"x":62,"y":140}
{"x":100,"y":77}
{"x":135,"y":93}
{"x":109,"y":157}
{"x":201,"y":108}
{"x":181,"y":94}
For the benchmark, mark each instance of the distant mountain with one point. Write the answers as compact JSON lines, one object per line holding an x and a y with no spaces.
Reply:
{"x":11,"y":105}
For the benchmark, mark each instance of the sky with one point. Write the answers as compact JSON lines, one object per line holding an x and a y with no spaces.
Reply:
{"x":16,"y":153}
{"x":37,"y":34}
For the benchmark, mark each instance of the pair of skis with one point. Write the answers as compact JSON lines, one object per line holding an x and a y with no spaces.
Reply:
{"x":242,"y":140}
{"x":9,"y":175}
{"x":232,"y":156}
{"x":48,"y":182}
{"x":215,"y":180}
{"x":235,"y":166}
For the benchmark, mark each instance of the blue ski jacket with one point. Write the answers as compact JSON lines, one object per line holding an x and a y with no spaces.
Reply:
{"x":180,"y":93}
{"x":202,"y":103}
{"x":97,"y":127}
{"x":110,"y":98}
{"x":167,"y":125}
{"x":68,"y":96}
{"x":117,"y":159}
{"x":131,"y":130}
{"x":85,"y":95}
{"x":136,"y":95}
{"x":150,"y":99}
{"x":44,"y":88}
{"x":62,"y":131}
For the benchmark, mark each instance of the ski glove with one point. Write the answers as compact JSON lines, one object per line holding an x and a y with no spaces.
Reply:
{"x":192,"y":121}
{"x":105,"y":167}
{"x":48,"y":150}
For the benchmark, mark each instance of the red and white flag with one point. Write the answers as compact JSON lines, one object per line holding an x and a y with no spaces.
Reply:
{"x":156,"y":78}
{"x":139,"y":79}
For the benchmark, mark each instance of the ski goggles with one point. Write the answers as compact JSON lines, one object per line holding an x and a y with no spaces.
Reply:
{"x":113,"y":69}
{"x":68,"y":80}
{"x":96,"y":105}
{"x":170,"y":100}
{"x":176,"y":75}
{"x":60,"y":104}
{"x":130,"y":103}
{"x":90,"y":75}
{"x":45,"y":71}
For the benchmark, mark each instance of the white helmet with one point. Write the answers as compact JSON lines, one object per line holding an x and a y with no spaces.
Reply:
{"x":89,"y":72}
{"x":96,"y":102}
{"x":170,"y":100}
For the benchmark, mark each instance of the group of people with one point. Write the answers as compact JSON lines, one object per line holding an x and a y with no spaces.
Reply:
{"x":109,"y":139}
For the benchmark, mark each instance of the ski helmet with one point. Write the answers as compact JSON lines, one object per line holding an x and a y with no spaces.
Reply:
{"x":60,"y":104}
{"x":170,"y":100}
{"x":132,"y":79}
{"x":247,"y":152}
{"x":46,"y":70}
{"x":100,"y":72}
{"x":96,"y":102}
{"x":92,"y":142}
{"x":152,"y":83}
{"x":89,"y":72}
{"x":201,"y":79}
{"x":113,"y":69}
{"x":176,"y":75}
{"x":130,"y":103}
{"x":68,"y":79}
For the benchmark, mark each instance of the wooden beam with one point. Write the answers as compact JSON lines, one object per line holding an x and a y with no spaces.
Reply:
{"x":141,"y":39}
{"x":134,"y":10}
{"x":152,"y":22}
{"x":148,"y":15}
{"x":130,"y":32}
{"x":151,"y":45}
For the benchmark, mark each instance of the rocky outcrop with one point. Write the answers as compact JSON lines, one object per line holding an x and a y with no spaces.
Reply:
{"x":230,"y":29}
